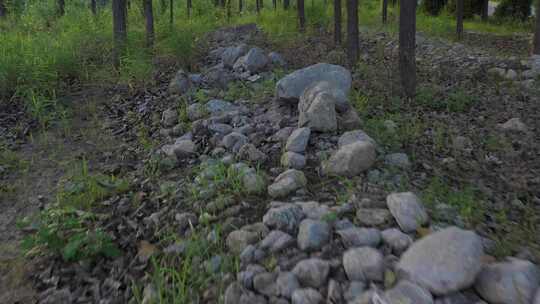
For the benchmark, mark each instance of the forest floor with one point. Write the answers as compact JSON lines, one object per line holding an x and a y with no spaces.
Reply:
{"x":487,"y":177}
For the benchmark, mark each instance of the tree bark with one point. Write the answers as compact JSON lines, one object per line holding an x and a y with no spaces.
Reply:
{"x":485,"y":10}
{"x":228,"y":10}
{"x":384,"y":11}
{"x":119,"y":29}
{"x":61,"y":7}
{"x":286,"y":4}
{"x":407,"y":45}
{"x":353,"y":44}
{"x":93,"y":7}
{"x":258,"y":7}
{"x":3,"y":9}
{"x":189,"y":6}
{"x":261,"y":3}
{"x":536,"y":43}
{"x":171,"y":13}
{"x":301,"y":15}
{"x":459,"y":19}
{"x":337,"y":22}
{"x":149,"y":17}
{"x":240,"y":5}
{"x":274,"y":4}
{"x":222,"y":3}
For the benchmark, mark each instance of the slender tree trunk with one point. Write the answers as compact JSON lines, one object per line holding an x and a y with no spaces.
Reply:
{"x":3,"y":9}
{"x":119,"y":29}
{"x":459,"y":19}
{"x":485,"y":10}
{"x":222,"y":3}
{"x":149,"y":17}
{"x":286,"y":4}
{"x":228,"y":10}
{"x":536,"y":43}
{"x":407,"y":45}
{"x":353,"y":44}
{"x":261,"y":3}
{"x":61,"y":7}
{"x":240,"y":6}
{"x":258,"y":7}
{"x":171,"y":13}
{"x":188,"y":9}
{"x":384,"y":11}
{"x":93,"y":7}
{"x":274,"y":4}
{"x":301,"y":15}
{"x":337,"y":22}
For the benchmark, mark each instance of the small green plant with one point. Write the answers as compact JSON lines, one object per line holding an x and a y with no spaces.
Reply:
{"x":459,"y":101}
{"x":497,"y":143}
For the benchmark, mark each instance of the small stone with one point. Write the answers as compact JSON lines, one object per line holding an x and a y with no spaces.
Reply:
{"x":196,"y":111}
{"x":407,"y":210}
{"x":246,"y":277}
{"x":276,"y":241}
{"x":186,"y":220}
{"x":253,"y":183}
{"x":286,"y":217}
{"x":293,"y":160}
{"x":231,"y":54}
{"x":233,"y":293}
{"x":276,"y":59}
{"x":399,"y":160}
{"x":254,"y":61}
{"x":313,"y":235}
{"x":250,"y":153}
{"x":515,"y":124}
{"x":354,"y":136}
{"x":349,"y":120}
{"x":150,"y":295}
{"x":180,"y":84}
{"x":351,"y":160}
{"x":334,"y":294}
{"x":373,"y":216}
{"x":364,"y":263}
{"x":407,"y":292}
{"x":298,"y":140}
{"x":169,"y":118}
{"x":238,"y":240}
{"x":514,"y":281}
{"x":287,"y":182}
{"x":287,"y":283}
{"x":312,"y":272}
{"x":234,"y":141}
{"x":265,"y":283}
{"x":306,"y":296}
{"x":397,"y":240}
{"x":252,"y":298}
{"x":220,"y":128}
{"x":360,"y":237}
{"x":318,"y":111}
{"x":354,"y":290}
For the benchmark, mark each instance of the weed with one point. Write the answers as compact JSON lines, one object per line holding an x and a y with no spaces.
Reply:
{"x":497,"y":143}
{"x":459,"y":101}
{"x":409,"y":129}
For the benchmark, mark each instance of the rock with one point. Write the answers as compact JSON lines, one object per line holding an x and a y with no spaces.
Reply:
{"x":351,"y":160}
{"x":287,"y":283}
{"x":283,"y":134}
{"x":340,"y":99}
{"x":537,"y":297}
{"x":407,"y":292}
{"x":312,"y":272}
{"x":150,"y":295}
{"x":496,"y":72}
{"x":293,"y":85}
{"x":443,"y":262}
{"x":184,"y":148}
{"x":252,"y":182}
{"x":511,"y":74}
{"x":286,"y":218}
{"x":514,"y":124}
{"x":314,"y":210}
{"x":317,"y":112}
{"x":180,"y":84}
{"x":218,"y":106}
{"x":196,"y":111}
{"x":349,"y":120}
{"x":287,"y":182}
{"x":407,"y":210}
{"x":306,"y":296}
{"x":233,"y":293}
{"x":334,"y":294}
{"x":514,"y":281}
{"x":354,"y":290}
{"x":293,"y":160}
{"x":354,"y":136}
{"x":214,"y":264}
{"x":364,"y":263}
{"x":396,"y":240}
{"x":399,"y":160}
{"x":169,"y":118}
{"x":360,"y":237}
{"x":231,"y":54}
{"x":246,"y":277}
{"x":238,"y":240}
{"x":250,"y":153}
{"x":276,"y":241}
{"x":276,"y":59}
{"x":254,"y":61}
{"x":234,"y":141}
{"x":217,"y":76}
{"x":298,"y":140}
{"x":313,"y":235}
{"x":265,"y":283}
{"x":252,"y":298}
{"x":220,"y":128}
{"x":456,"y":298}
{"x":373,"y":216}
{"x":186,"y":220}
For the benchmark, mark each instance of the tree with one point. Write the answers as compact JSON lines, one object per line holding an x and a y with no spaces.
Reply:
{"x":171,"y":13}
{"x":61,"y":4}
{"x":337,"y":22}
{"x":149,"y":18}
{"x":119,"y":29}
{"x":384,"y":11}
{"x":353,"y":43}
{"x":519,"y":9}
{"x":3,"y":9}
{"x":286,"y":4}
{"x":258,"y":7}
{"x":459,"y":19}
{"x":240,"y":5}
{"x":485,"y":10}
{"x":407,"y":45}
{"x":301,"y":15}
{"x":93,"y":7}
{"x":274,"y":4}
{"x":188,"y":9}
{"x":536,"y":43}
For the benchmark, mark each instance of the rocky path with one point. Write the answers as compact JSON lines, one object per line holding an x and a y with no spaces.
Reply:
{"x":255,"y":180}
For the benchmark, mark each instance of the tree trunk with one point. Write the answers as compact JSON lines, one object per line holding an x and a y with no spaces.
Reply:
{"x":485,"y":10}
{"x":286,"y":4}
{"x":459,"y":19}
{"x":222,"y":3}
{"x":119,"y":29}
{"x":261,"y":3}
{"x":384,"y":11}
{"x":149,"y":17}
{"x":353,"y":44}
{"x":240,"y":5}
{"x":301,"y":15}
{"x":258,"y":7}
{"x":171,"y":13}
{"x":3,"y":9}
{"x":274,"y":4}
{"x":93,"y":7}
{"x":407,"y":45}
{"x":536,"y":43}
{"x":61,"y":7}
{"x":337,"y":22}
{"x":189,"y":6}
{"x":228,"y":10}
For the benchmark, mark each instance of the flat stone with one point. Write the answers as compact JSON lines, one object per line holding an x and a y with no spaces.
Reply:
{"x":373,"y":216}
{"x":407,"y":292}
{"x":264,"y":283}
{"x":286,"y":218}
{"x":514,"y":124}
{"x":397,"y":240}
{"x":312,"y":272}
{"x":238,"y":240}
{"x":298,"y":140}
{"x":293,"y":160}
{"x":287,"y":182}
{"x":364,"y":263}
{"x":351,"y":160}
{"x":306,"y":296}
{"x":407,"y":210}
{"x":233,"y":293}
{"x":313,"y":235}
{"x":399,"y":160}
{"x":360,"y":237}
{"x":354,"y":136}
{"x":317,"y":112}
{"x":231,"y":54}
{"x":277,"y":241}
{"x":287,"y":283}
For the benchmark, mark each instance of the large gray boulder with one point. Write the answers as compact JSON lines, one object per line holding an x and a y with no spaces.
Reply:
{"x":351,"y":160}
{"x":293,"y":85}
{"x":363,"y":263}
{"x":443,"y":262}
{"x":231,"y":54}
{"x":341,"y":99}
{"x":407,"y":210}
{"x":254,"y":61}
{"x":514,"y":281}
{"x":317,"y":111}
